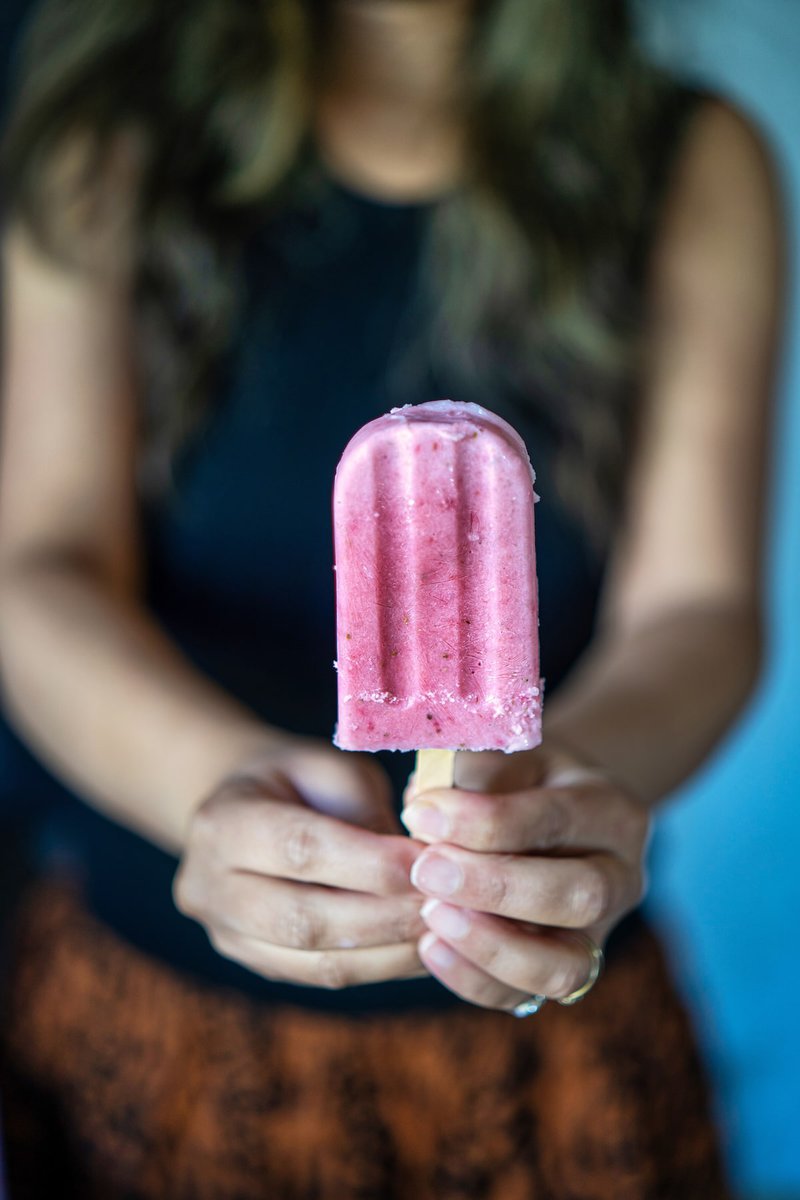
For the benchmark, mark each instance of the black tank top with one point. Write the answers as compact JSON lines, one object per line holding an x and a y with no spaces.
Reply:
{"x":239,"y":554}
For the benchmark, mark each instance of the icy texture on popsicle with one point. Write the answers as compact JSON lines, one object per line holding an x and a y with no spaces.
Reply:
{"x":437,"y":614}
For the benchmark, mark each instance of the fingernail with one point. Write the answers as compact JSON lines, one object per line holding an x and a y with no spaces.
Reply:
{"x":443,"y":918}
{"x":433,"y":873}
{"x":426,"y":819}
{"x":438,"y":952}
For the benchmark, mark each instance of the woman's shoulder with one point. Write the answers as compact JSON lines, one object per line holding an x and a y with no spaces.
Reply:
{"x":721,"y":145}
{"x":723,"y":192}
{"x":699,"y":137}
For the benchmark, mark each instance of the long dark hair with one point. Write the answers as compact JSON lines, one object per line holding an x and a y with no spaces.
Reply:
{"x":530,"y":270}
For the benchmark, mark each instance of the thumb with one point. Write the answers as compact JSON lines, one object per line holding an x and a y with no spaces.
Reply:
{"x":550,"y":764}
{"x":351,"y":787}
{"x":496,"y":772}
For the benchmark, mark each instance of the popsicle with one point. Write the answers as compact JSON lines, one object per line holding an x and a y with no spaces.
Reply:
{"x":436,"y":595}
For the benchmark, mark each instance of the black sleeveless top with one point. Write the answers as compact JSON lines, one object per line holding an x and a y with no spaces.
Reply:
{"x":239,"y":555}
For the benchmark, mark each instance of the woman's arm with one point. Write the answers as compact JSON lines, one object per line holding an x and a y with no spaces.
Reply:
{"x":540,"y":847}
{"x":88,"y":677}
{"x":285,"y":856}
{"x":679,"y":638}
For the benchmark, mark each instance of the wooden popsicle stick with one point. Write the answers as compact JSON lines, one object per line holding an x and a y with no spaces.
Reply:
{"x":434,"y":769}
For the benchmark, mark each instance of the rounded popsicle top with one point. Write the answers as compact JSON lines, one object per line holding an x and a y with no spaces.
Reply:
{"x":454,"y":420}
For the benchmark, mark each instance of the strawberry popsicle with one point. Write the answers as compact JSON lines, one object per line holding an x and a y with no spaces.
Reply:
{"x":437,"y":615}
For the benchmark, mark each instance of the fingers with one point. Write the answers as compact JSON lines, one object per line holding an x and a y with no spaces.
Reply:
{"x":268,"y":836}
{"x":518,"y":961}
{"x":569,"y":892}
{"x":464,"y":978}
{"x":332,"y":969}
{"x":587,"y":816}
{"x":299,"y":916}
{"x":283,"y":871}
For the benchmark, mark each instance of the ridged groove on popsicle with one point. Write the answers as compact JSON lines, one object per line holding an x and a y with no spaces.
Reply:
{"x":490,"y":564}
{"x":363,"y":621}
{"x":408,"y":615}
{"x":515,"y":593}
{"x":395,"y":589}
{"x":435,"y":632}
{"x":486,"y":465}
{"x":467,"y":664}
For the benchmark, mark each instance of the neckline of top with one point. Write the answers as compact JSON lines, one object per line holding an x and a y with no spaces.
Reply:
{"x":370,"y":201}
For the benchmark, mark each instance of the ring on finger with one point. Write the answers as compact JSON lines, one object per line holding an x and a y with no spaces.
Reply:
{"x":597,"y":961}
{"x":527,"y":1008}
{"x":530,"y":1006}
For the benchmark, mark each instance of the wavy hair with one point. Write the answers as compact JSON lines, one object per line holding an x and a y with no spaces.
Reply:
{"x":531,"y":269}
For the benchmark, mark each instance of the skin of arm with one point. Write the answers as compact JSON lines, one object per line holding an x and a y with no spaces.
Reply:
{"x":679,"y":638}
{"x":273,"y":830}
{"x":87,"y":676}
{"x":529,"y":849}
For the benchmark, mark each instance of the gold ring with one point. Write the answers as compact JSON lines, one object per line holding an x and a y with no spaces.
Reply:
{"x":595,"y":969}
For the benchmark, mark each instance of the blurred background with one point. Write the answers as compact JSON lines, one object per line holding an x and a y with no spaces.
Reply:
{"x":725,"y":882}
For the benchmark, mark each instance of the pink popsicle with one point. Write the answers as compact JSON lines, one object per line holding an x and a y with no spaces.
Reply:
{"x":437,"y":614}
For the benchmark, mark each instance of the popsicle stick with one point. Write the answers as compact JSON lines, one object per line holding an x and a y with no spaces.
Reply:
{"x":435,"y":769}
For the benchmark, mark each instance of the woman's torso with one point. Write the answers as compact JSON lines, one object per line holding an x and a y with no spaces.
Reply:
{"x":239,"y":553}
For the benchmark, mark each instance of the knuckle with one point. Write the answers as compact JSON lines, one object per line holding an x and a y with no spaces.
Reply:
{"x":497,"y":889}
{"x":479,"y":816}
{"x":301,"y":927}
{"x":204,"y":829}
{"x":548,"y":900}
{"x":486,"y":993}
{"x":332,"y":971}
{"x":493,"y":958}
{"x":187,"y":896}
{"x":553,"y":823}
{"x":591,"y":898}
{"x":414,"y":926}
{"x":181,"y":896}
{"x":224,"y":943}
{"x":401,"y":926}
{"x":300,"y":847}
{"x":391,"y":870}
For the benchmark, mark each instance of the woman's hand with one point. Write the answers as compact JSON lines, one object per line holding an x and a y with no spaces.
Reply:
{"x":532,"y":849}
{"x":298,"y":870}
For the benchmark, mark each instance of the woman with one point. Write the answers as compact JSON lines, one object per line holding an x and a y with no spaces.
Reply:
{"x":235,"y":234}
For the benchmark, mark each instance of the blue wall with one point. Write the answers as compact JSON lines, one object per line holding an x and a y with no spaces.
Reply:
{"x":726,"y":867}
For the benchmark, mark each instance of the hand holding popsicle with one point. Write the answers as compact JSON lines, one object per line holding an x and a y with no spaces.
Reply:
{"x":438,"y":649}
{"x":292,"y":867}
{"x":539,"y":849}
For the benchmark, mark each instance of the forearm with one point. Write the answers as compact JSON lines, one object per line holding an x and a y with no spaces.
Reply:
{"x":651,"y":704}
{"x":108,"y":701}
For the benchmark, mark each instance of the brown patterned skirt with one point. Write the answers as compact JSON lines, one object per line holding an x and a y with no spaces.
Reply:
{"x":121,"y":1079}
